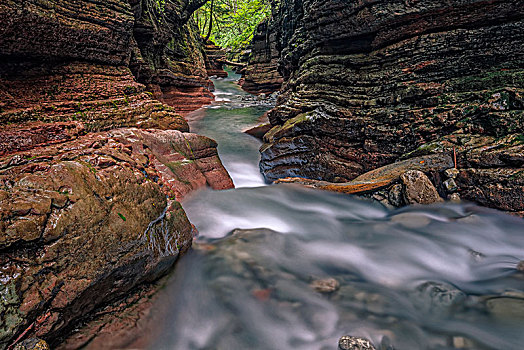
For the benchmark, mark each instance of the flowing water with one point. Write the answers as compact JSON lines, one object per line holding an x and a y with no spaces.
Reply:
{"x":282,"y":267}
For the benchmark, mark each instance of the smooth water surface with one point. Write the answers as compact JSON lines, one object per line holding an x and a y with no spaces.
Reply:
{"x":224,"y":121}
{"x":432,"y":277}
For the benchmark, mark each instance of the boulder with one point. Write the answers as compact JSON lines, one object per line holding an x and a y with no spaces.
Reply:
{"x":86,"y":221}
{"x":418,"y":189}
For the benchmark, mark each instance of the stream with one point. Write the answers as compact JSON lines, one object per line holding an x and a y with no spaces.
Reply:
{"x":284,"y":267}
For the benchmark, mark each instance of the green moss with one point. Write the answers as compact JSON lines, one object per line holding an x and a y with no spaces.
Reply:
{"x":174,"y":166}
{"x":11,"y":318}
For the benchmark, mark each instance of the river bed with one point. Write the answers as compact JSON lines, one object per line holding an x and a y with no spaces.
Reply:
{"x":283,"y":267}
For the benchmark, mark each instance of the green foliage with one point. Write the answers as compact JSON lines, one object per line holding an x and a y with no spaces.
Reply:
{"x":234,"y":21}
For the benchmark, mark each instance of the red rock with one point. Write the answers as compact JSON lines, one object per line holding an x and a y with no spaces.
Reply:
{"x":215,"y":58}
{"x":262,"y":294}
{"x":88,"y":155}
{"x":84,"y":214}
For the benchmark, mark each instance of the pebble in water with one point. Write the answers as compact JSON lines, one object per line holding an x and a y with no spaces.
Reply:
{"x":327,"y":285}
{"x":354,"y":343}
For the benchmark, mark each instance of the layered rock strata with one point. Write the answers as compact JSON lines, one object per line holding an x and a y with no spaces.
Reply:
{"x":97,"y":53}
{"x":261,"y":75}
{"x":92,"y":165}
{"x":216,"y":57}
{"x":168,"y":56}
{"x":369,"y":83}
{"x":85,"y":221}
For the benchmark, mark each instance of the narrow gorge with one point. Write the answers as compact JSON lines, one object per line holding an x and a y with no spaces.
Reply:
{"x":381,"y":208}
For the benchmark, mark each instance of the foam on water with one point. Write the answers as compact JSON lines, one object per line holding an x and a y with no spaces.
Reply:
{"x":430,"y":277}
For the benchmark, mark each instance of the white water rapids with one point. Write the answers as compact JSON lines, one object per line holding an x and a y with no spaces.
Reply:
{"x":428,"y":277}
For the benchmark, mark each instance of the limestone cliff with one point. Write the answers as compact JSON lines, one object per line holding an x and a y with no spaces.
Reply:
{"x":368,"y":83}
{"x":215,"y":57}
{"x":261,"y":74}
{"x":168,"y":56}
{"x":92,"y":165}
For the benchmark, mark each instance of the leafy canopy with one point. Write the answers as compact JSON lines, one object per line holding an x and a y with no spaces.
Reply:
{"x":233,"y":22}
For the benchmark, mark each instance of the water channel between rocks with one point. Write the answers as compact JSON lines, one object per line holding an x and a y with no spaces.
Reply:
{"x":281,"y":267}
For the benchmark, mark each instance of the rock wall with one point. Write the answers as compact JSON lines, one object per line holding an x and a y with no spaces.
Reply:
{"x":215,"y":60}
{"x":93,"y":55}
{"x":168,"y":56}
{"x":92,"y":166}
{"x":261,"y":75}
{"x":368,"y":83}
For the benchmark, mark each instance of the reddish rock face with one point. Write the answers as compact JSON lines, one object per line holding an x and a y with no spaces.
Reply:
{"x":100,"y":96}
{"x":215,"y":60}
{"x":67,"y":29}
{"x":369,"y":82}
{"x":183,"y":99}
{"x":75,"y":217}
{"x":169,"y":57}
{"x":74,"y":58}
{"x":93,"y":166}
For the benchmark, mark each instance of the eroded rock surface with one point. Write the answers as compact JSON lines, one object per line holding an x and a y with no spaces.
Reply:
{"x":92,"y":164}
{"x":261,"y":75}
{"x":75,"y":217}
{"x":367,"y":83}
{"x":215,"y":60}
{"x":72,"y":59}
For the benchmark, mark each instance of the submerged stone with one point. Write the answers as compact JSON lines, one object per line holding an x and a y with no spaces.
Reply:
{"x":327,"y":285}
{"x":354,"y":343}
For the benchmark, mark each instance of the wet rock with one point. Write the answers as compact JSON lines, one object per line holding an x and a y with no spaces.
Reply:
{"x":377,"y":179}
{"x":261,"y":75}
{"x":385,"y":344}
{"x":455,"y":198}
{"x":348,"y":106}
{"x":94,"y":195}
{"x":354,"y":343}
{"x":463,"y":343}
{"x":259,"y":131}
{"x":476,"y":256}
{"x":450,"y":185}
{"x":520,"y":266}
{"x":94,"y":217}
{"x":123,"y":324}
{"x":418,"y":189}
{"x":501,"y":188}
{"x":439,"y":298}
{"x":396,"y":197}
{"x":507,"y":307}
{"x":32,"y":344}
{"x":328,"y":285}
{"x":451,"y":173}
{"x":410,"y":220}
